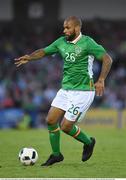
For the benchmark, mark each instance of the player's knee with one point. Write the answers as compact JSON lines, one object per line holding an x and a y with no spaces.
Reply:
{"x":65,"y":128}
{"x":49,"y":120}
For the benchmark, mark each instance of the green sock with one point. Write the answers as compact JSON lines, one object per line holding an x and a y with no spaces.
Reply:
{"x":79,"y":135}
{"x":54,"y":136}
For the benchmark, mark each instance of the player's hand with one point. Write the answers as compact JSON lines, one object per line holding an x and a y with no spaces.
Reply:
{"x":99,"y":87}
{"x":22,"y":60}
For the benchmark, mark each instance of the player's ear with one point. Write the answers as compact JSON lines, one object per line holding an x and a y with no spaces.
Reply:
{"x":77,"y":29}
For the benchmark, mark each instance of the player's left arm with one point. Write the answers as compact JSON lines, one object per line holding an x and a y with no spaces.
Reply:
{"x":106,"y":66}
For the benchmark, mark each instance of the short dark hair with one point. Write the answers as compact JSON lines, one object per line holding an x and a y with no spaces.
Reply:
{"x":77,"y":21}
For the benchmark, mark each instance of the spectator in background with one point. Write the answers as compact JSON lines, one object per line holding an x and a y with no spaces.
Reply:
{"x":13,"y":82}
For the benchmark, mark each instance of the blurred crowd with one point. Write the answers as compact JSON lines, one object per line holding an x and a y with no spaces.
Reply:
{"x":33,"y":86}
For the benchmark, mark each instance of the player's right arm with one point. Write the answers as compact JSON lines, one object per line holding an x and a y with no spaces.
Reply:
{"x":38,"y":54}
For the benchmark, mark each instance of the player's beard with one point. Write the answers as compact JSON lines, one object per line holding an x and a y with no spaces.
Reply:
{"x":71,"y":37}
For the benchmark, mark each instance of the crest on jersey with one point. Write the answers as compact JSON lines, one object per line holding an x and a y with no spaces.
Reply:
{"x":78,"y":50}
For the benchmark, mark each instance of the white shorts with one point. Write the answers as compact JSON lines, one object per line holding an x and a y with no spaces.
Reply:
{"x":74,"y":103}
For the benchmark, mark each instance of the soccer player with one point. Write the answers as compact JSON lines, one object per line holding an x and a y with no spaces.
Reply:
{"x":78,"y":89}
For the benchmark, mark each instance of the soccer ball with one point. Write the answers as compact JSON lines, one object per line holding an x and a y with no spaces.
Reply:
{"x":28,"y":156}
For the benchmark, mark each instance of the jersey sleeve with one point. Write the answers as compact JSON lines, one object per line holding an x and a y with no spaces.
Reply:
{"x":52,"y":48}
{"x":95,"y":49}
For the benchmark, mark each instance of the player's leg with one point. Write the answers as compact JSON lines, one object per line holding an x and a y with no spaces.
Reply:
{"x":78,"y":103}
{"x":52,"y":120}
{"x":54,"y":135}
{"x":56,"y":113}
{"x":73,"y":130}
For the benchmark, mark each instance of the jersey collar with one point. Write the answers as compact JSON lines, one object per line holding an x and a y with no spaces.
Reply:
{"x":77,"y":39}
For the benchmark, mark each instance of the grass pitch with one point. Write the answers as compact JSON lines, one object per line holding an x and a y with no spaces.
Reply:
{"x":108,"y":160}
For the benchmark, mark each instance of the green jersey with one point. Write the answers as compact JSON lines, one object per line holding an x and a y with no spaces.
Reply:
{"x":78,"y":61}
